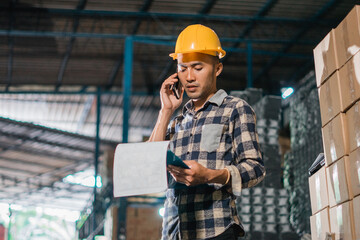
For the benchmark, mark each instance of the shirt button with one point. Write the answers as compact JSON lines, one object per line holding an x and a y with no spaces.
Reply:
{"x":191,"y":134}
{"x":188,"y":153}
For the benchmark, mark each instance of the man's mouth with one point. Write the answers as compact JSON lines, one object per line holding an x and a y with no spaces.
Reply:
{"x":191,"y":87}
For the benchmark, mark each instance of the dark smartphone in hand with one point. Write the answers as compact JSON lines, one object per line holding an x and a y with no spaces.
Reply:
{"x":176,"y":88}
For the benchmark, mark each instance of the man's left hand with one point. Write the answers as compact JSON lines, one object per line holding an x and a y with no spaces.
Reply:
{"x":197,"y":174}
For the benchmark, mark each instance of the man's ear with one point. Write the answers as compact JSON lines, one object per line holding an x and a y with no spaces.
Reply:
{"x":219,"y":68}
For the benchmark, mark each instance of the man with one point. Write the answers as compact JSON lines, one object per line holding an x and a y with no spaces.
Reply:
{"x":214,"y":135}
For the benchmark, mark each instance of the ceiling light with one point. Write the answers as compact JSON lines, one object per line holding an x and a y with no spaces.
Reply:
{"x":286,"y":92}
{"x":161,"y":212}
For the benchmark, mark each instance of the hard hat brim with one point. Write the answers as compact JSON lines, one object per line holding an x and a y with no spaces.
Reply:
{"x":216,"y":52}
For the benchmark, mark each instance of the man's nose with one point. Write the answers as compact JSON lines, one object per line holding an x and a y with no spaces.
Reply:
{"x":190,"y":75}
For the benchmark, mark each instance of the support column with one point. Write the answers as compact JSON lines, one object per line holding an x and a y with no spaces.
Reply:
{"x":249,"y":56}
{"x":96,"y":156}
{"x":127,"y":85}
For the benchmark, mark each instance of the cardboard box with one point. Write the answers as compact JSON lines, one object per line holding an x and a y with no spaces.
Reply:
{"x":325,"y":58}
{"x":347,"y":36}
{"x":320,"y":225}
{"x":356,"y":209}
{"x":354,"y":172}
{"x":337,"y":182}
{"x":318,"y":191}
{"x":143,"y":223}
{"x":353,"y":122}
{"x":342,"y":220}
{"x":329,"y":97}
{"x":349,"y":82}
{"x":335,"y":139}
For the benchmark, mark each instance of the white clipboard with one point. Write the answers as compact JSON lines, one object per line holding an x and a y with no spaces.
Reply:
{"x":140,"y":168}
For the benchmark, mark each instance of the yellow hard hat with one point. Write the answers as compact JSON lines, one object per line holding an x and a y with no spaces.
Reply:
{"x":198,"y":38}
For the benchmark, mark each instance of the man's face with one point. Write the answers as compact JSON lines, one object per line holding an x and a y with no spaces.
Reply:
{"x":197,"y":73}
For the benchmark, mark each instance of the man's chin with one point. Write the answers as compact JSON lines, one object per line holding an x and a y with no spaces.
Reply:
{"x":193,"y":96}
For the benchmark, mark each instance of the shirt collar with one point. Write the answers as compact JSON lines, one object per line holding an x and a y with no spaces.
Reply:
{"x":217,"y":99}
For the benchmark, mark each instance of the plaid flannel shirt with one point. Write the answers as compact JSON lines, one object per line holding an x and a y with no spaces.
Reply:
{"x":219,"y":135}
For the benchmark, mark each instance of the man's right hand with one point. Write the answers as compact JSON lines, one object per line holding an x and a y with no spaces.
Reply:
{"x":169,"y":103}
{"x":168,"y":100}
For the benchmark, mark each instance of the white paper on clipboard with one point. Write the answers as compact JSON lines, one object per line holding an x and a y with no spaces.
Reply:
{"x":140,"y":168}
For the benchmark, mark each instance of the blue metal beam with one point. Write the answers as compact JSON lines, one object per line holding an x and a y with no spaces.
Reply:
{"x":139,"y":93}
{"x":10,"y":62}
{"x":174,"y":16}
{"x":114,"y":72}
{"x":119,"y":62}
{"x":146,"y":6}
{"x":158,"y":39}
{"x":265,"y":41}
{"x":205,"y":10}
{"x":80,"y":6}
{"x":207,"y":7}
{"x":85,"y":113}
{"x":263,"y":11}
{"x":155,"y":42}
{"x":268,"y":53}
{"x":127,"y":86}
{"x":64,"y":63}
{"x":249,"y":55}
{"x":127,"y":89}
{"x":10,"y":44}
{"x":314,"y":20}
{"x":20,"y":33}
{"x":249,"y":50}
{"x":96,"y":155}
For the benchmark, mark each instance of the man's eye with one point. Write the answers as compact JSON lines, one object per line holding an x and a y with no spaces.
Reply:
{"x":198,"y":69}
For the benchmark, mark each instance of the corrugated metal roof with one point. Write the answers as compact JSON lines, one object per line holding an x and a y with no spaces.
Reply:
{"x":35,"y":159}
{"x":77,"y":113}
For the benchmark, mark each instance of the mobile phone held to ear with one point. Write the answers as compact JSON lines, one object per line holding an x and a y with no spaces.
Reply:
{"x":176,"y":88}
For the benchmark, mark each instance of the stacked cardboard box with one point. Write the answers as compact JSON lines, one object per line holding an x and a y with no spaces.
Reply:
{"x":143,"y":222}
{"x":337,"y":67}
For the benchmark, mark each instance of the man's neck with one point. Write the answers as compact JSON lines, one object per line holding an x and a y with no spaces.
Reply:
{"x":199,"y":103}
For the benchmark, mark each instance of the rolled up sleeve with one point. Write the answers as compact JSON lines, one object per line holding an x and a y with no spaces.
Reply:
{"x":248,"y":168}
{"x":170,"y":130}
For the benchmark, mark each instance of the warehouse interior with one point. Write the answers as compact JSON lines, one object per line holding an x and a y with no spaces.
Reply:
{"x":79,"y":77}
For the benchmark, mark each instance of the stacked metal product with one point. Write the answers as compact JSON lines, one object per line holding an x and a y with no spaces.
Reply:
{"x":250,"y":95}
{"x":306,"y":144}
{"x":268,"y":120}
{"x":264,"y":213}
{"x":264,"y":208}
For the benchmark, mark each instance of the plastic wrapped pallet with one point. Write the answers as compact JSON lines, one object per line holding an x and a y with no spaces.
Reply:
{"x":267,"y":111}
{"x":305,"y":119}
{"x":306,"y":144}
{"x":268,"y":107}
{"x":250,"y":95}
